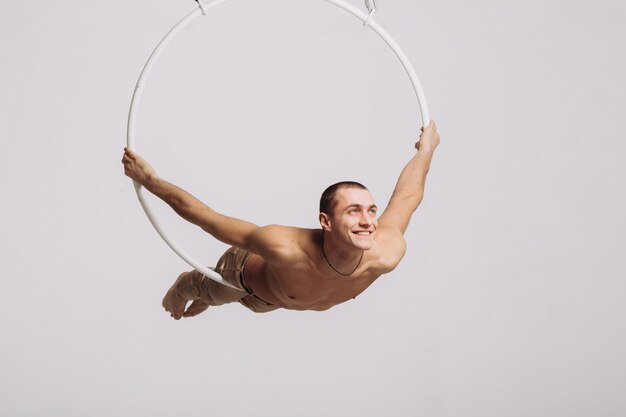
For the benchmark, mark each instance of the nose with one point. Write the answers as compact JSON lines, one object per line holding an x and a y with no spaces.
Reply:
{"x":365,"y":220}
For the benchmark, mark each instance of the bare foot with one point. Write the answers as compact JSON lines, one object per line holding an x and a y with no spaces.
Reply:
{"x":173,"y":302}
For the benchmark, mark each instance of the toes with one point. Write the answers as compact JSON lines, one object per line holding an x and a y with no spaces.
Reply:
{"x":174,"y":304}
{"x":175,"y":309}
{"x":175,"y":314}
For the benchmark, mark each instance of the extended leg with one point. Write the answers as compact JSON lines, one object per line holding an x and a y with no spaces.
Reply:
{"x":203,"y":291}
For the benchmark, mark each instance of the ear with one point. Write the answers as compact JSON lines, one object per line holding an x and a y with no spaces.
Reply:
{"x":325,"y":222}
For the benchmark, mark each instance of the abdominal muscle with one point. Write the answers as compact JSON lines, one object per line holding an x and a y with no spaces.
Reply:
{"x":303,"y":288}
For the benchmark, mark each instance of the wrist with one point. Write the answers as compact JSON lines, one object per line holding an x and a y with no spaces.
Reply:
{"x":152,"y":182}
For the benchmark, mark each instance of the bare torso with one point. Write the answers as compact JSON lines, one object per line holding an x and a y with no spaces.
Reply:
{"x":309,"y":283}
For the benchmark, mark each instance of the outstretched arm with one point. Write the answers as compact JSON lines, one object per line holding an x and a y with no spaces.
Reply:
{"x":226,"y":229}
{"x":409,"y":190}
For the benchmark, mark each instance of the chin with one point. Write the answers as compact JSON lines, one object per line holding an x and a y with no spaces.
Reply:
{"x":364,"y":245}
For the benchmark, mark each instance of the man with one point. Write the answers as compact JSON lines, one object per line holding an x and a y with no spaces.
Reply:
{"x":294,"y":268}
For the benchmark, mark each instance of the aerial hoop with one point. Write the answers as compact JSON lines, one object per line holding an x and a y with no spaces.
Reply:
{"x":202,"y":9}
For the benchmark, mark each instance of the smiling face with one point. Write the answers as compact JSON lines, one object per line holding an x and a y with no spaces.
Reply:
{"x":352,"y":220}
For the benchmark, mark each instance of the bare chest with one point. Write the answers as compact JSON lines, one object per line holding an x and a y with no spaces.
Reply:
{"x":309,"y":289}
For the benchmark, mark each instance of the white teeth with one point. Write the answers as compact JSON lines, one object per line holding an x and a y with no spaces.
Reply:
{"x":363,"y":233}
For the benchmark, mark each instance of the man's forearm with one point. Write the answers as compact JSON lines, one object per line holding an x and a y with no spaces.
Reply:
{"x":183,"y":203}
{"x":410,"y":185}
{"x":226,"y":229}
{"x":409,"y":190}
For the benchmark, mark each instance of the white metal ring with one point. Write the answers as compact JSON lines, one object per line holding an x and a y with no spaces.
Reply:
{"x":198,"y":11}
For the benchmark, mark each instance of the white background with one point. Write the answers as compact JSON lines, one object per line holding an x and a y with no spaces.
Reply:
{"x":510,"y":301}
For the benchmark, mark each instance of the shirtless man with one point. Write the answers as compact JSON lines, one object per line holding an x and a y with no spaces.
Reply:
{"x":295,"y":268}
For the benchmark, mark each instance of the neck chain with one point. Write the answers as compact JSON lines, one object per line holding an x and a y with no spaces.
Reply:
{"x":345,"y":275}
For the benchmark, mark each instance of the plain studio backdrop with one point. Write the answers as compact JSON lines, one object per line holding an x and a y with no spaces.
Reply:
{"x":509,"y":302}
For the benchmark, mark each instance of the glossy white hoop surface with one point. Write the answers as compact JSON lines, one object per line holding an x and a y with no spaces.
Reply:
{"x":204,"y":8}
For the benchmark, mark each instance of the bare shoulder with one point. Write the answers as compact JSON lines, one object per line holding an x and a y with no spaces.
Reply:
{"x":278,"y":243}
{"x":389,"y":249}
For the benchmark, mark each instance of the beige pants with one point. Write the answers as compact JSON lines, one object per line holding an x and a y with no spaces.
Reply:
{"x":195,"y":286}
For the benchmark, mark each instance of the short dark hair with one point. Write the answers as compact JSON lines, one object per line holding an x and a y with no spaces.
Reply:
{"x":328,"y":200}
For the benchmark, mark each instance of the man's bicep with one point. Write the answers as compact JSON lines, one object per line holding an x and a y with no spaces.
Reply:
{"x":230,"y":230}
{"x":397,"y":215}
{"x":392,"y":248}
